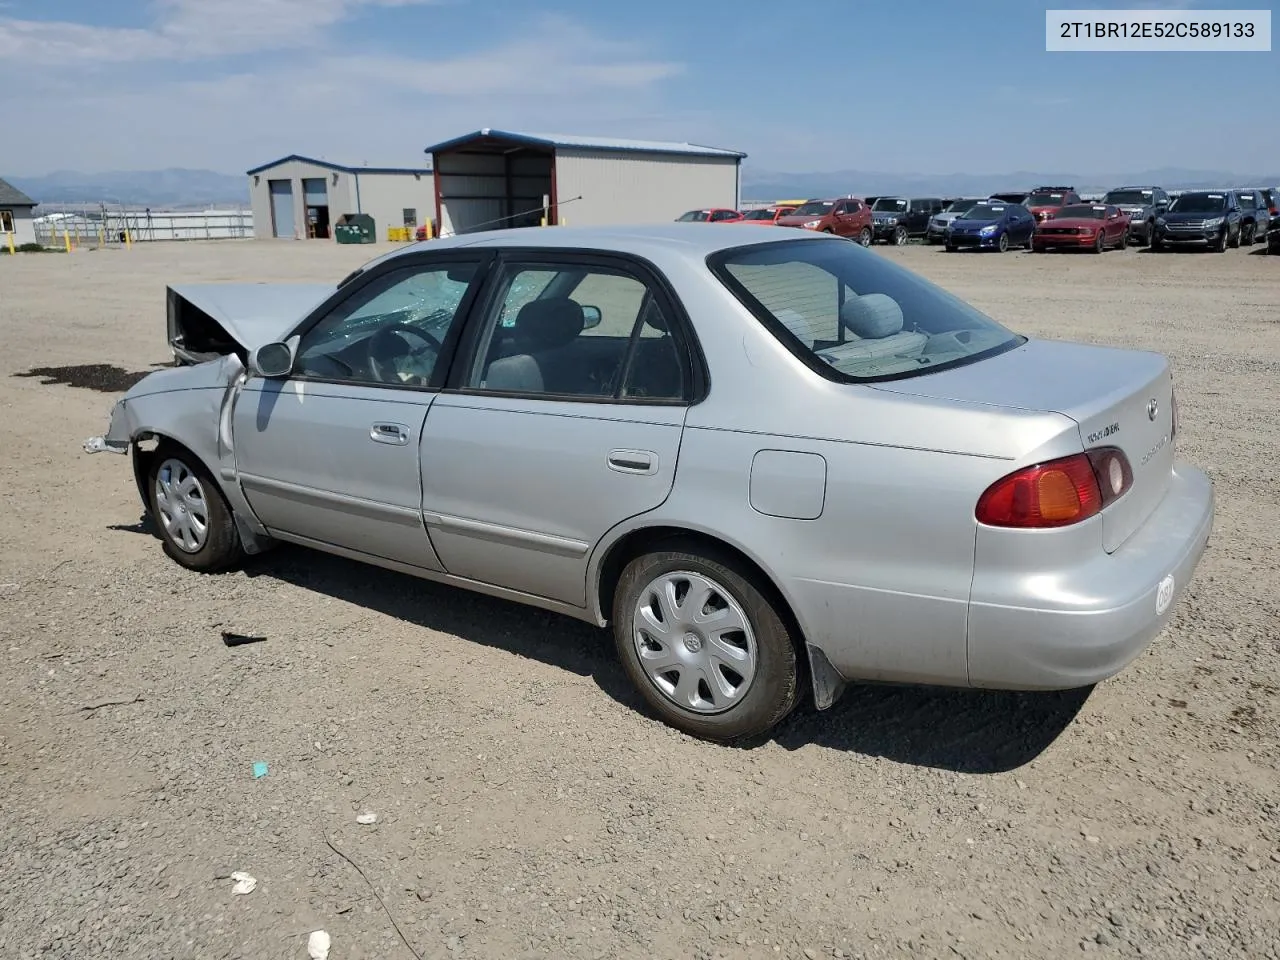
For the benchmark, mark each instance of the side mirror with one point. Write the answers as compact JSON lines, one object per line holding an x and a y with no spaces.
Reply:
{"x":591,"y":317}
{"x":273,"y":359}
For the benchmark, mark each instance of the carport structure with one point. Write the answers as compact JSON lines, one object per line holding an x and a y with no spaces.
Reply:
{"x":491,"y":179}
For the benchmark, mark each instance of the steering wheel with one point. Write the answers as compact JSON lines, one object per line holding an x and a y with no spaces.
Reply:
{"x":384,"y":345}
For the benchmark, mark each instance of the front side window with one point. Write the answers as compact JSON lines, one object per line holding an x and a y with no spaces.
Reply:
{"x":724,"y":215}
{"x":588,"y":331}
{"x":814,"y":208}
{"x":856,"y":316}
{"x":694,"y":216}
{"x":389,"y":332}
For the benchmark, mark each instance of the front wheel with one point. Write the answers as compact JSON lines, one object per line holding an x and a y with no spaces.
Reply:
{"x":864,"y":236}
{"x":1246,"y":235}
{"x":1100,"y":243}
{"x":704,"y":644}
{"x":1151,"y":233}
{"x":899,"y":236}
{"x":1124,"y":240}
{"x":1003,"y":243}
{"x":1224,"y":240}
{"x":951,"y":247}
{"x":194,"y":521}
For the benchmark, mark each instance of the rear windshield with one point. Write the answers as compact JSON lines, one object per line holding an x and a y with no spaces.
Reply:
{"x":854,"y":315}
{"x":1046,"y":199}
{"x":1247,"y":200}
{"x":818,"y":207}
{"x":698,"y":215}
{"x":1009,"y":197}
{"x":1198,"y":203}
{"x":960,"y":206}
{"x":1129,"y":196}
{"x":983,"y":211}
{"x":889,"y":203}
{"x":758,"y":215}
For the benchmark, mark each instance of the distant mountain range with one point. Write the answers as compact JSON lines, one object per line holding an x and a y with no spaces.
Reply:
{"x":177,"y":187}
{"x":771,"y":185}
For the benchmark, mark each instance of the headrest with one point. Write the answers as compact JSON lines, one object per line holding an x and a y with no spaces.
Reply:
{"x":549,"y":323}
{"x":872,"y":316}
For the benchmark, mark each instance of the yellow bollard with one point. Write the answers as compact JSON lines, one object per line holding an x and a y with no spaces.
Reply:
{"x":101,"y":242}
{"x":66,"y":237}
{"x":12,"y":249}
{"x":431,"y":230}
{"x":128,"y":240}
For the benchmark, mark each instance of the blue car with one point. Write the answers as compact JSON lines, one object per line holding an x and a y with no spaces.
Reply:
{"x":992,"y":225}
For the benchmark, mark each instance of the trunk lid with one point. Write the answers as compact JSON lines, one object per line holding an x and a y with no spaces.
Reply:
{"x":1119,"y":398}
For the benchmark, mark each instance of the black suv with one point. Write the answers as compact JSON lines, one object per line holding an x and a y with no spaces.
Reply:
{"x":1143,"y":205}
{"x":895,"y":219}
{"x":1209,"y":218}
{"x":1255,"y":219}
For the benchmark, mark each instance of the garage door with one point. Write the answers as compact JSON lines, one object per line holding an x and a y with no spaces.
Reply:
{"x":282,"y":208}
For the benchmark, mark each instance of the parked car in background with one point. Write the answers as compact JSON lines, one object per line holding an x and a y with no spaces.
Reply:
{"x":846,"y":217}
{"x":1043,"y":202}
{"x":1273,"y":241}
{"x":765,"y":215}
{"x":937,"y":229}
{"x":1017,"y":196}
{"x":992,"y":225}
{"x":1201,"y":218}
{"x":896,"y":219}
{"x":709,"y":215}
{"x":1255,"y":219}
{"x":1083,"y":226}
{"x":772,"y":465}
{"x":1272,"y":195}
{"x":1142,"y":205}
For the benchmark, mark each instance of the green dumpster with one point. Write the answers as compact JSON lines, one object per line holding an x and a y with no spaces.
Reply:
{"x":355,"y":228}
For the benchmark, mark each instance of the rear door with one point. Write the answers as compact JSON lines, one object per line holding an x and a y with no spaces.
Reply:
{"x":329,"y":455}
{"x":563,"y":417}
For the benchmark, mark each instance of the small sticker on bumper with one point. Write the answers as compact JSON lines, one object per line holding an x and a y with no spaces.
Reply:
{"x":1164,"y":595}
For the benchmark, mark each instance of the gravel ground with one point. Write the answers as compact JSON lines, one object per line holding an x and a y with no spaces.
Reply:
{"x":526,"y":805}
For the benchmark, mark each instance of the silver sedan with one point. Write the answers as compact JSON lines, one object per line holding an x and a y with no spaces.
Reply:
{"x":773,"y":464}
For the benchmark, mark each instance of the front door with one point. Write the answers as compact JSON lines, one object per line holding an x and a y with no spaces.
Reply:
{"x":330,"y":454}
{"x":563,"y":418}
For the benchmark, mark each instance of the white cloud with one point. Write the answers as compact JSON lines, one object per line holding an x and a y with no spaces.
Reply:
{"x":184,"y":29}
{"x":551,"y":74}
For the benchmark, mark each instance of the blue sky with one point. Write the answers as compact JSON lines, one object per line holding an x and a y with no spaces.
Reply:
{"x":915,"y":86}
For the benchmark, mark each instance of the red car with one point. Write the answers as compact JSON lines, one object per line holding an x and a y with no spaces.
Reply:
{"x":710,"y":215}
{"x":768,"y":216}
{"x":1083,"y":226}
{"x":846,"y":217}
{"x":1044,"y":202}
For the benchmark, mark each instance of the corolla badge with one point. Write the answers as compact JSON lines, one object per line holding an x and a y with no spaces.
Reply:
{"x":1153,"y":408}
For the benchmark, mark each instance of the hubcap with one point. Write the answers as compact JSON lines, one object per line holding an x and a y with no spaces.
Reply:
{"x":181,"y":503}
{"x":694,"y":642}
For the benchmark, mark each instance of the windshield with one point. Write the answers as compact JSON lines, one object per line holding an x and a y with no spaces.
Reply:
{"x":1084,"y":211}
{"x":960,"y":206}
{"x":893,"y":204}
{"x":1142,"y":197}
{"x":983,"y":211}
{"x":695,"y":215}
{"x":818,"y":207}
{"x":1009,"y":197}
{"x":1198,"y":203}
{"x":1046,"y":199}
{"x":857,"y":316}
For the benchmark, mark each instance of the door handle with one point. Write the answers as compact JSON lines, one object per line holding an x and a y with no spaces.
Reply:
{"x":642,"y":462}
{"x":393,"y":433}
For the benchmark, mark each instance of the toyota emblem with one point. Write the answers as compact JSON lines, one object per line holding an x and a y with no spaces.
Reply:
{"x":1152,"y":409}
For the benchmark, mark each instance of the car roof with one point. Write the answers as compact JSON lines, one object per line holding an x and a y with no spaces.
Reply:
{"x":687,"y":241}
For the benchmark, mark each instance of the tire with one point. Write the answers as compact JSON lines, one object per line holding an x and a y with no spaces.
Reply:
{"x":1124,"y":239}
{"x":1246,"y":235}
{"x":1101,"y":243}
{"x":951,"y":248}
{"x":1003,"y":243}
{"x":1151,"y":233}
{"x":900,"y":236}
{"x":1223,"y":240}
{"x":864,"y":236}
{"x":191,"y":515}
{"x":684,"y":698}
{"x":1236,"y":242}
{"x":828,"y":231}
{"x":1031,"y":240}
{"x":1156,"y":245}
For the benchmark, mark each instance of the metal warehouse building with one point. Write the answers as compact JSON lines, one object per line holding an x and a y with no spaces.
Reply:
{"x":298,"y":197}
{"x":493,"y":178}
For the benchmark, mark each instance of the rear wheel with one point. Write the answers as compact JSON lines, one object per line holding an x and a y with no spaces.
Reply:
{"x":704,"y":644}
{"x":864,"y":236}
{"x":193,"y":518}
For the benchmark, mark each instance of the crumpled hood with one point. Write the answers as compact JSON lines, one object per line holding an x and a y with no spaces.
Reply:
{"x":206,"y":320}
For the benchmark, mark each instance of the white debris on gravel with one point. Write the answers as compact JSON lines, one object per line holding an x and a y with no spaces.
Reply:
{"x":244,"y":883}
{"x":318,"y":945}
{"x":365,"y":819}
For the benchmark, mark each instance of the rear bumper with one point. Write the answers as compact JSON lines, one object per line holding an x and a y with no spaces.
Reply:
{"x":1076,"y":627}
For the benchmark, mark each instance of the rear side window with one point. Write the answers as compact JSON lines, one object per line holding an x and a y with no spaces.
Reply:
{"x":853,"y":315}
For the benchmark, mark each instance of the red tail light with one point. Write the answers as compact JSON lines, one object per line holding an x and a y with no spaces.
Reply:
{"x":1058,"y":492}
